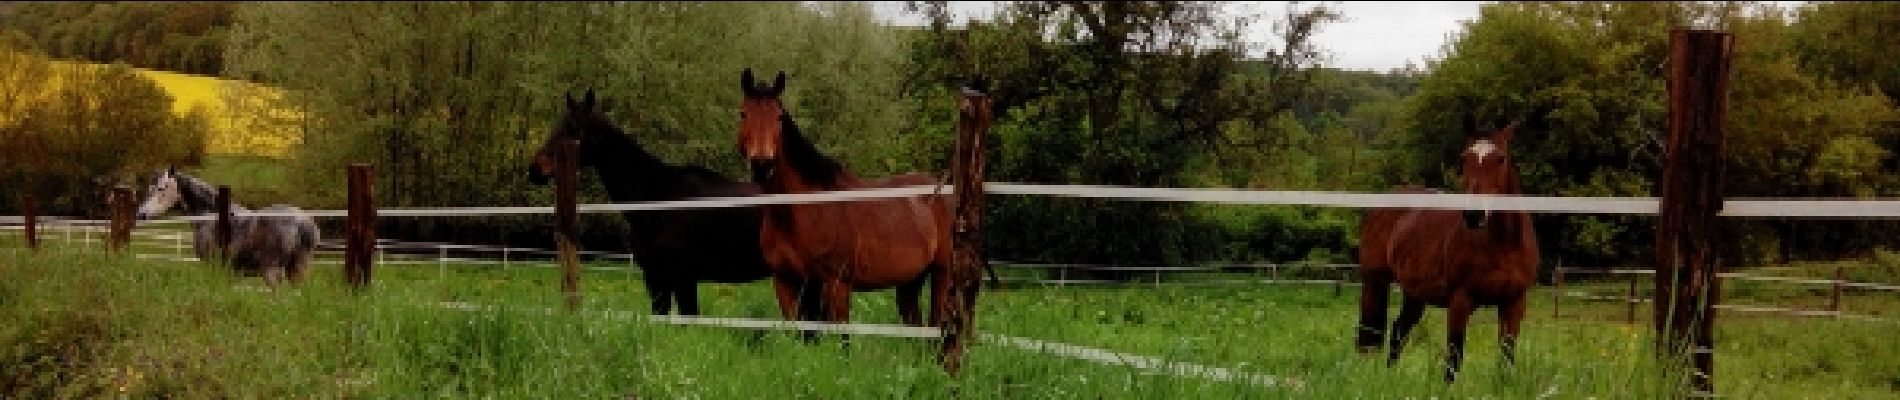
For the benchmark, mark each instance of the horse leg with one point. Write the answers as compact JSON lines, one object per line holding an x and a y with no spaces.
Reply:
{"x":788,"y":297}
{"x":660,"y":290}
{"x":1409,"y":314}
{"x":1509,"y":315}
{"x":1459,"y":315}
{"x":688,"y":294}
{"x":907,"y":301}
{"x":837,"y":300}
{"x":1372,"y":308}
{"x":298,"y":263}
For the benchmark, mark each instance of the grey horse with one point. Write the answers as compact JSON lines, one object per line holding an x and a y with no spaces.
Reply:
{"x":274,"y":247}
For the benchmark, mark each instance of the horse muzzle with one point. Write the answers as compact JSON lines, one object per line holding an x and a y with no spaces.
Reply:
{"x":762,"y":169}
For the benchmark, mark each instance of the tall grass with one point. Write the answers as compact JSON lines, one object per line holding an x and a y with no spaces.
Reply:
{"x":81,"y":324}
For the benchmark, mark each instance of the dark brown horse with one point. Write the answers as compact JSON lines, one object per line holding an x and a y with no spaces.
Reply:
{"x":831,"y":249}
{"x":1459,"y":260}
{"x":676,"y":249}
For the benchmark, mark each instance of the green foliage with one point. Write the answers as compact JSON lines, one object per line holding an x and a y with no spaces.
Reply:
{"x":185,"y":36}
{"x":449,"y":105}
{"x":69,"y":132}
{"x":1114,"y":93}
{"x":1589,"y":79}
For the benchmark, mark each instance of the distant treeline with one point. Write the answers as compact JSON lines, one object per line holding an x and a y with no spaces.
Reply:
{"x":183,"y":36}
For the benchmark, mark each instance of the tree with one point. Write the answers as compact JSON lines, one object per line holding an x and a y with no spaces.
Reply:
{"x":449,"y":100}
{"x":1117,"y":93}
{"x":1588,"y":78}
{"x":69,"y":132}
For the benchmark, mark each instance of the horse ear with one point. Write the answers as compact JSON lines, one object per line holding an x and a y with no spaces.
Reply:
{"x":1503,"y":135}
{"x":588,"y":102}
{"x":570,"y":100}
{"x":778,"y":83}
{"x":745,"y":81}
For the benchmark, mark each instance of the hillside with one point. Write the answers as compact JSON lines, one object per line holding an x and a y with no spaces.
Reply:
{"x":239,"y":124}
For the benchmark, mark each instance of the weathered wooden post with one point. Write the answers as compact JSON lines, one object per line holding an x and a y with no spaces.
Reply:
{"x":565,"y":192}
{"x":360,"y":228}
{"x":1834,"y":299}
{"x":32,"y":222}
{"x":221,"y":230}
{"x":1629,"y":301}
{"x":121,"y":228}
{"x":966,"y":264}
{"x":1691,"y":197}
{"x":1557,"y":291}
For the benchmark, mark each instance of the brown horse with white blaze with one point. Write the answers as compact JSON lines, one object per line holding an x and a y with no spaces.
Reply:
{"x":831,"y":249}
{"x":1458,"y":260}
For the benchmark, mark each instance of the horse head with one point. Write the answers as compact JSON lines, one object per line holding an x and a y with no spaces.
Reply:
{"x":580,"y":121}
{"x":761,"y":124}
{"x":1487,"y":168}
{"x":164,"y":192}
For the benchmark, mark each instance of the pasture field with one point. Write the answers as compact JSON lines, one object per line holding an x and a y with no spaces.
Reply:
{"x":84,"y":324}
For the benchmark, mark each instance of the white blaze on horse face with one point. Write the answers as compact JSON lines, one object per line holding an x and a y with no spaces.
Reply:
{"x":1482,"y":148}
{"x":163,"y":194}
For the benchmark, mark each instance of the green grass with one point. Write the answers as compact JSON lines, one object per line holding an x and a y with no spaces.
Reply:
{"x":255,"y":181}
{"x":86,"y":325}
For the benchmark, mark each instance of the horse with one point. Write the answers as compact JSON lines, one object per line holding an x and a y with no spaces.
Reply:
{"x":275,"y":247}
{"x":675,"y":249}
{"x":832,"y":249}
{"x":1457,"y":260}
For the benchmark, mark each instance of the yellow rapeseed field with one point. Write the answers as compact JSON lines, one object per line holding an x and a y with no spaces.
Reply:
{"x":241,"y":124}
{"x":243,"y":116}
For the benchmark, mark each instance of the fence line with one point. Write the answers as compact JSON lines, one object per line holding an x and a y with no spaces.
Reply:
{"x":1209,"y":267}
{"x":1738,"y":307}
{"x":1749,"y":277}
{"x":1823,"y":208}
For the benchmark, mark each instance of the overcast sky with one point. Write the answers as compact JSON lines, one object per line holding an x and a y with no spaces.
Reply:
{"x":1375,"y":35}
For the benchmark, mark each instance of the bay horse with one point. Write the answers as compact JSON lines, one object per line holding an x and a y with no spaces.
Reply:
{"x":1456,"y":259}
{"x":675,"y":249}
{"x":832,"y":249}
{"x":276,"y":247}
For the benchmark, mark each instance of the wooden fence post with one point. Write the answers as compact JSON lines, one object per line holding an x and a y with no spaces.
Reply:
{"x":360,"y":228}
{"x":966,"y":264}
{"x":1557,"y":293}
{"x":222,"y":228}
{"x":32,"y":220}
{"x":1834,"y":300}
{"x":1630,"y":300}
{"x":564,"y":198}
{"x":121,"y":228}
{"x":1686,"y":233}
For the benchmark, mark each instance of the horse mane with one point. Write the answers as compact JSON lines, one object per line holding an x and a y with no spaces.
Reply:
{"x":616,"y":141}
{"x":812,"y":165}
{"x":198,"y":195}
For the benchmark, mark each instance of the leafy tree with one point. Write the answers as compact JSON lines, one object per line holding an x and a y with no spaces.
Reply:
{"x":450,"y":100}
{"x":1116,"y":93}
{"x":69,"y":132}
{"x":185,"y":36}
{"x":1589,"y":79}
